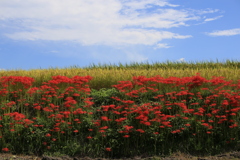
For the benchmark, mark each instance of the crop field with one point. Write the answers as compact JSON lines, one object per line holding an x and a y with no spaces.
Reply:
{"x":115,"y":111}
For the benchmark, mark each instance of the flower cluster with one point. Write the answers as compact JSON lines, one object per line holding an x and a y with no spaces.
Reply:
{"x":153,"y":114}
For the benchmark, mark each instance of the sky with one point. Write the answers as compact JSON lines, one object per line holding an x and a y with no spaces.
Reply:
{"x":42,"y":34}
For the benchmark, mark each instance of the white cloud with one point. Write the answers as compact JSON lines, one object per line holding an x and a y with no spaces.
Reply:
{"x":181,"y":60}
{"x":207,"y":11}
{"x":162,"y":45}
{"x":212,"y":19}
{"x":230,"y":32}
{"x":89,"y":22}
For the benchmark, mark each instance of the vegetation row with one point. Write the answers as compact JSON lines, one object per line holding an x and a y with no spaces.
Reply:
{"x":145,"y":115}
{"x":107,"y":75}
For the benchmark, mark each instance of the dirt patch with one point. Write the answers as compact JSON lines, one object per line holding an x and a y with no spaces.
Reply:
{"x":176,"y":156}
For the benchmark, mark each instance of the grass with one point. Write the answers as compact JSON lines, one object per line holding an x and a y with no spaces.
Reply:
{"x":107,"y":75}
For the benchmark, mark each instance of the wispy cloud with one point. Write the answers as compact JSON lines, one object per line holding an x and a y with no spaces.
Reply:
{"x":230,"y":32}
{"x":90,"y":22}
{"x":212,"y":19}
{"x":162,"y":45}
{"x":181,"y":60}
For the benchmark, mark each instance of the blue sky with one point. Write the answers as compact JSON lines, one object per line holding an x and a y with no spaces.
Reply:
{"x":38,"y":34}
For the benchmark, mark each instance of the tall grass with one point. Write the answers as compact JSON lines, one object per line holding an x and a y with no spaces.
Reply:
{"x":107,"y":75}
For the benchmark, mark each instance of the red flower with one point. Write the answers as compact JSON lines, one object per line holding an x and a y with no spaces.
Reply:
{"x":27,"y":121}
{"x":126,"y":136}
{"x":101,"y":131}
{"x":12,"y":130}
{"x":128,"y":127}
{"x":140,"y":130}
{"x":48,"y":135}
{"x":76,"y":120}
{"x":105,"y":127}
{"x":75,"y":131}
{"x":5,"y":149}
{"x":104,"y":118}
{"x":108,"y":149}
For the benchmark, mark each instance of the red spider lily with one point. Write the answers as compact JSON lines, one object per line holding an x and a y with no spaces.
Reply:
{"x":89,"y":103}
{"x":27,"y":121}
{"x":79,"y":111}
{"x":89,"y":137}
{"x":205,"y":124}
{"x":145,"y":123}
{"x":233,"y":125}
{"x":48,"y":135}
{"x":106,"y":108}
{"x":5,"y":149}
{"x":56,"y":129}
{"x":108,"y":149}
{"x":66,"y":113}
{"x":102,"y":131}
{"x":17,"y":116}
{"x":128,"y":127}
{"x":37,"y":107}
{"x":104,"y":118}
{"x":126,"y":136}
{"x":128,"y":101}
{"x":75,"y":131}
{"x":13,"y":80}
{"x":188,"y":125}
{"x":69,"y":102}
{"x":76,"y":120}
{"x":47,"y":109}
{"x":10,"y":104}
{"x":140,"y":130}
{"x":12,"y":130}
{"x":176,"y":131}
{"x":105,"y":127}
{"x":97,"y":123}
{"x":120,"y":119}
{"x":213,"y":112}
{"x":123,"y":131}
